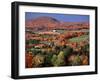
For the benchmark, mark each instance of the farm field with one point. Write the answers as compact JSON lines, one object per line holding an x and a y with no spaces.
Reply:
{"x":79,"y":39}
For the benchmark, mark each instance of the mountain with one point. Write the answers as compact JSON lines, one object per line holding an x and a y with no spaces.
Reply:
{"x":49,"y":23}
{"x":43,"y":22}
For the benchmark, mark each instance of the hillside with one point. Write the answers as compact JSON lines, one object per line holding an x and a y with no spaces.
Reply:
{"x":49,"y":23}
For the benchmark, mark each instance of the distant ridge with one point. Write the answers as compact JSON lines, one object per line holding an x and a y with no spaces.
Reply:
{"x":49,"y":23}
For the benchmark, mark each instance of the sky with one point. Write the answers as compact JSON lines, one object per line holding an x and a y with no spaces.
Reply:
{"x":60,"y":17}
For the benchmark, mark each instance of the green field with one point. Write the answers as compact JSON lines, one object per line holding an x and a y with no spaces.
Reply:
{"x":78,"y":39}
